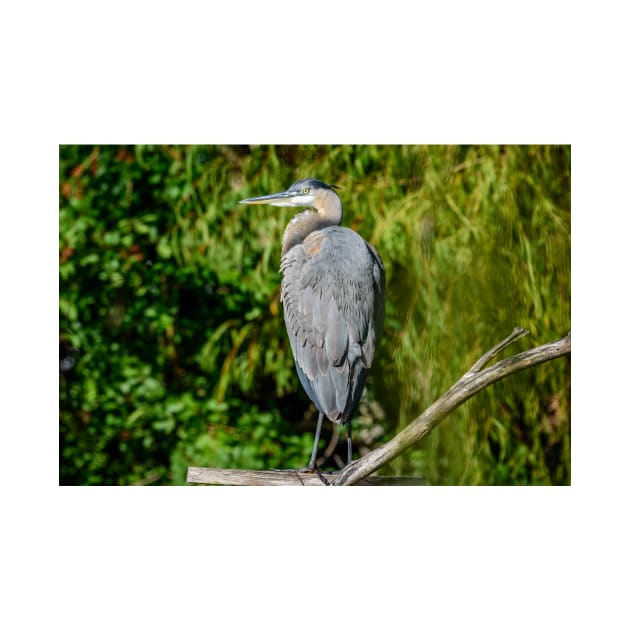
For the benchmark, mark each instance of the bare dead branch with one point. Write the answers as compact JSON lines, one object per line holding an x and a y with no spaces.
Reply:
{"x":232,"y":477}
{"x":517,"y":333}
{"x":358,"y":472}
{"x":468,"y":385}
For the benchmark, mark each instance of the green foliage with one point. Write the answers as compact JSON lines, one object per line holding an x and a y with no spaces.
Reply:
{"x":173,"y":349}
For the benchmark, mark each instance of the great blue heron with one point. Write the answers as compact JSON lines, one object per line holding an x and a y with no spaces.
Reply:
{"x":333,"y":292}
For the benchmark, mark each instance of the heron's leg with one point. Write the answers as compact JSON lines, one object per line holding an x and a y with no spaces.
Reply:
{"x":320,"y":419}
{"x":349,"y":442}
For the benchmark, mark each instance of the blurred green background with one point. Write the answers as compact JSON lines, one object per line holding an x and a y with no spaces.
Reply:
{"x":172,"y":343}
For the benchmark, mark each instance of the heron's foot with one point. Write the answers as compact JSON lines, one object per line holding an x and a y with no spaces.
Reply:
{"x":317,"y":471}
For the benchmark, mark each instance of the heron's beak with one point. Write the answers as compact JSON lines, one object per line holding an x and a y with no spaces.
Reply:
{"x":277,"y":199}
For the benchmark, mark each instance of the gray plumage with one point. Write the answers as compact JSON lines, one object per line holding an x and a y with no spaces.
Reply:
{"x":333,"y":294}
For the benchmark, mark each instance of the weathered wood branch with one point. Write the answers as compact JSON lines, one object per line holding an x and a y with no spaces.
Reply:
{"x":303,"y":477}
{"x":358,"y":473}
{"x":468,"y":385}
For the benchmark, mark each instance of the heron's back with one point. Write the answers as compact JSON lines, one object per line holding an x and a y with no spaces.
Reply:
{"x":333,"y":294}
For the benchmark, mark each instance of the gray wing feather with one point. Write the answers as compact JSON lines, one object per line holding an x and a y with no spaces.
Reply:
{"x":335,"y":336}
{"x":333,"y":295}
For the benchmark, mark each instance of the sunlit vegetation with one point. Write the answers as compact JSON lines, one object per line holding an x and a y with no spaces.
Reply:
{"x":172,"y":343}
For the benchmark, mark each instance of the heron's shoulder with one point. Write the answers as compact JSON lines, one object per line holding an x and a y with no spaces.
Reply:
{"x":339,"y":232}
{"x":332,"y":238}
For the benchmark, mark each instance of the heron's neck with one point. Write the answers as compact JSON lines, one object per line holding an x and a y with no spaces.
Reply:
{"x":327,"y":213}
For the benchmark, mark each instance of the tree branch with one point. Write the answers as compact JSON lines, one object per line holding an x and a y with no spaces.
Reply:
{"x":358,"y":472}
{"x":468,"y":385}
{"x":303,"y":477}
{"x":517,"y":333}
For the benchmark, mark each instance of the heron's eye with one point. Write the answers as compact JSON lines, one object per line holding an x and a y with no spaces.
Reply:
{"x":305,"y":191}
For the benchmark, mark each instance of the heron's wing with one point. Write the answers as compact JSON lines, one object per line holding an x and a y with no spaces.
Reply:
{"x":378,"y":273}
{"x":333,"y":295}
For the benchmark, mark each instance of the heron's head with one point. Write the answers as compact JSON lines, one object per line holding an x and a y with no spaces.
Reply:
{"x":304,"y":193}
